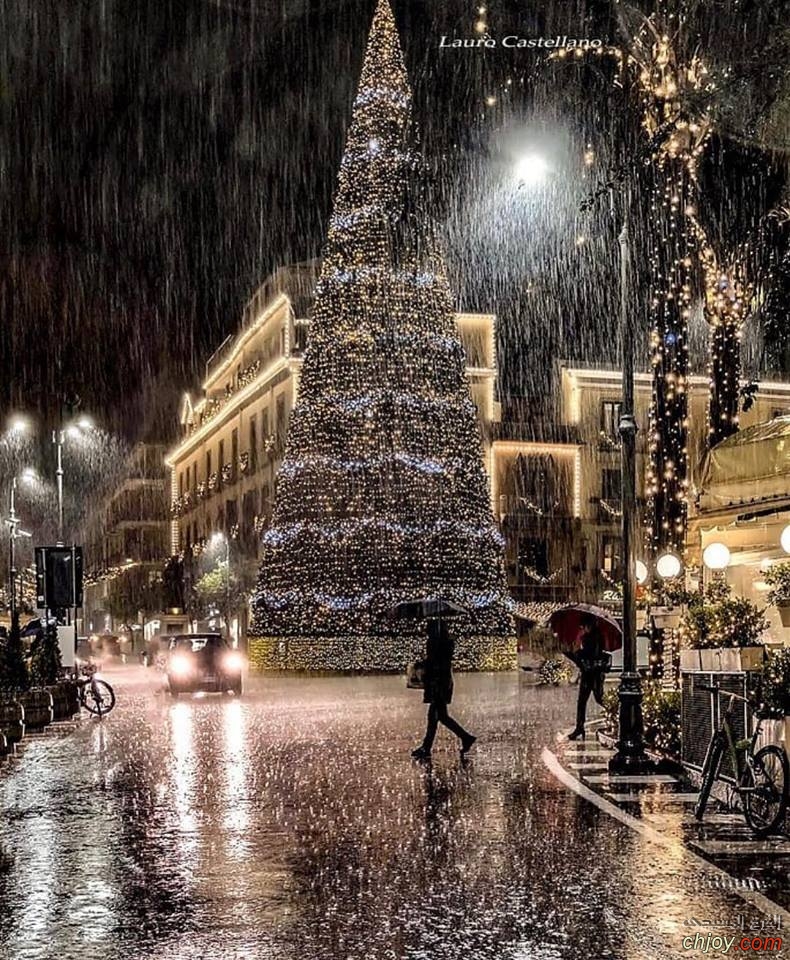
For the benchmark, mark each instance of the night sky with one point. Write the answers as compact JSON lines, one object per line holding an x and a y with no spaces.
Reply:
{"x":161,"y":158}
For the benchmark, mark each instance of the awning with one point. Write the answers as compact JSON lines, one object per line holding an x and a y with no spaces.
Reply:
{"x":750,"y":468}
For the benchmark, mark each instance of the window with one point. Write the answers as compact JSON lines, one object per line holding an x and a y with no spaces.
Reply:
{"x":266,"y":500}
{"x":208,"y":464}
{"x":253,"y":444}
{"x":265,"y":425}
{"x":180,"y":484}
{"x":234,"y":453}
{"x":611,"y":484}
{"x":533,"y":557}
{"x":281,"y":419}
{"x":610,"y":556}
{"x":221,"y":459}
{"x":610,"y":418}
{"x":231,"y":515}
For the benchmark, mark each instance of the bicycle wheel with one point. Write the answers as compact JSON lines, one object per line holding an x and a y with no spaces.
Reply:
{"x":710,"y":770}
{"x":765,"y":800}
{"x":99,"y":698}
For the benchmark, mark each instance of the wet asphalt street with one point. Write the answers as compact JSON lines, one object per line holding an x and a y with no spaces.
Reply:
{"x":291,"y":824}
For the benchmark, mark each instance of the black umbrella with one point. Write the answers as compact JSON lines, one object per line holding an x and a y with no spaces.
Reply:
{"x":427,"y":608}
{"x":33,"y":627}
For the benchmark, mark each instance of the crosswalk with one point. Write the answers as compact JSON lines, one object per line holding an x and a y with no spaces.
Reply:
{"x":666,"y":802}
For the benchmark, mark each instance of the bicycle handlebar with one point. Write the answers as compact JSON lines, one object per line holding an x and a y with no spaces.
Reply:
{"x":714,"y":688}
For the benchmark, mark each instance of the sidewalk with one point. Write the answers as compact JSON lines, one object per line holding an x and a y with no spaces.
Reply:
{"x":660,"y":806}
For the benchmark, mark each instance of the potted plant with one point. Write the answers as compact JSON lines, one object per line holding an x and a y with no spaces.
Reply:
{"x":775,"y":686}
{"x":45,"y":671}
{"x":777,"y":576}
{"x":668,"y":613}
{"x":14,"y":681}
{"x":725,"y":633}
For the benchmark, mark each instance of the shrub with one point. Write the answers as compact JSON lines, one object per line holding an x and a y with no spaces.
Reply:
{"x":14,"y":676}
{"x":660,"y":715}
{"x":777,"y":576}
{"x":554,"y":671}
{"x":45,"y":662}
{"x":722,"y":621}
{"x":775,"y":686}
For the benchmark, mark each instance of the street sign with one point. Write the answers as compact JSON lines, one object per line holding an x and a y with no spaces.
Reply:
{"x":58,"y":577}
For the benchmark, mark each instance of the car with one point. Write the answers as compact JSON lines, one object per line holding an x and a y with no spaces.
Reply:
{"x":203,"y":662}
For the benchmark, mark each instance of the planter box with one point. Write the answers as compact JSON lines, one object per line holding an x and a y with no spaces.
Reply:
{"x":38,"y":709}
{"x":784,"y":613}
{"x":65,"y":700}
{"x":666,"y":618}
{"x":752,"y":658}
{"x":723,"y":659}
{"x":12,"y":722}
{"x":690,"y":660}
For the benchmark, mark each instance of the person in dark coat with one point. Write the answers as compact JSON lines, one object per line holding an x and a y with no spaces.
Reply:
{"x":589,"y":658}
{"x":438,"y":690}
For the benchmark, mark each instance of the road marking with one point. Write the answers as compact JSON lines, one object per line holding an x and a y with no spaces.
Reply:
{"x":664,"y":796}
{"x":763,"y":848}
{"x":615,"y":780}
{"x":758,"y":900}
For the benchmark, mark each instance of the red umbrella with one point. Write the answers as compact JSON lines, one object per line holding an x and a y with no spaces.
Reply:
{"x":567,"y":622}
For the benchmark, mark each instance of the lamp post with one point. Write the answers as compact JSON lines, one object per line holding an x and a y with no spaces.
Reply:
{"x":630,"y":756}
{"x":58,"y":438}
{"x":14,"y":533}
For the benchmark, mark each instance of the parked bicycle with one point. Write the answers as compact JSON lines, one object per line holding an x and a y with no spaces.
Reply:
{"x":95,"y":694}
{"x":761,"y":778}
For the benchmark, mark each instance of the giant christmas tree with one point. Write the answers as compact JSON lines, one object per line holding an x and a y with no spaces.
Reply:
{"x":382,"y":495}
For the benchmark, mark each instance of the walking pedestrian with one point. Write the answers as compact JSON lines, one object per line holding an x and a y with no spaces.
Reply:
{"x":438,"y":690}
{"x":593,"y":663}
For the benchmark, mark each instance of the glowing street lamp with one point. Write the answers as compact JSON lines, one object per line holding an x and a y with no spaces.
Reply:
{"x":531,"y":169}
{"x":641,"y":573}
{"x":74,"y":431}
{"x":18,"y":426}
{"x":668,"y":566}
{"x":716,"y":556}
{"x":784,"y":539}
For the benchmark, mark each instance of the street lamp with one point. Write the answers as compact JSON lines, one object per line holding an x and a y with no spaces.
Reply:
{"x":531,"y":169}
{"x":784,"y":539}
{"x":14,"y":533}
{"x":18,"y":426}
{"x":716,"y":557}
{"x":668,"y":566}
{"x":641,"y":573}
{"x":630,"y":757}
{"x":73,"y":430}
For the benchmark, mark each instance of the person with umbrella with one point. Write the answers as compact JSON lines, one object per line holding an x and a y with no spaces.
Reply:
{"x":438,"y":689}
{"x":593,"y":664}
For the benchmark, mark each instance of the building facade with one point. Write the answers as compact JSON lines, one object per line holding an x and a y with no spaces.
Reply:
{"x":555,"y":482}
{"x":223,"y":470}
{"x":127,"y":544}
{"x":555,"y":486}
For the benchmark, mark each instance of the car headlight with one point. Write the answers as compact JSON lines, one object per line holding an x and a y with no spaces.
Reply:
{"x":234,"y":661}
{"x":180,"y":666}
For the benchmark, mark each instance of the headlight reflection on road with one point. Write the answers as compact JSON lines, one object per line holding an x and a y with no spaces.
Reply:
{"x":184,"y":783}
{"x":236,"y":818}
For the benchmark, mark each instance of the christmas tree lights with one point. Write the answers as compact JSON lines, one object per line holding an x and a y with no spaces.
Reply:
{"x":382,"y":495}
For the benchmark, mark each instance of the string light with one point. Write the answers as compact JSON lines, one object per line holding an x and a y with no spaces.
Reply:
{"x":382,"y":495}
